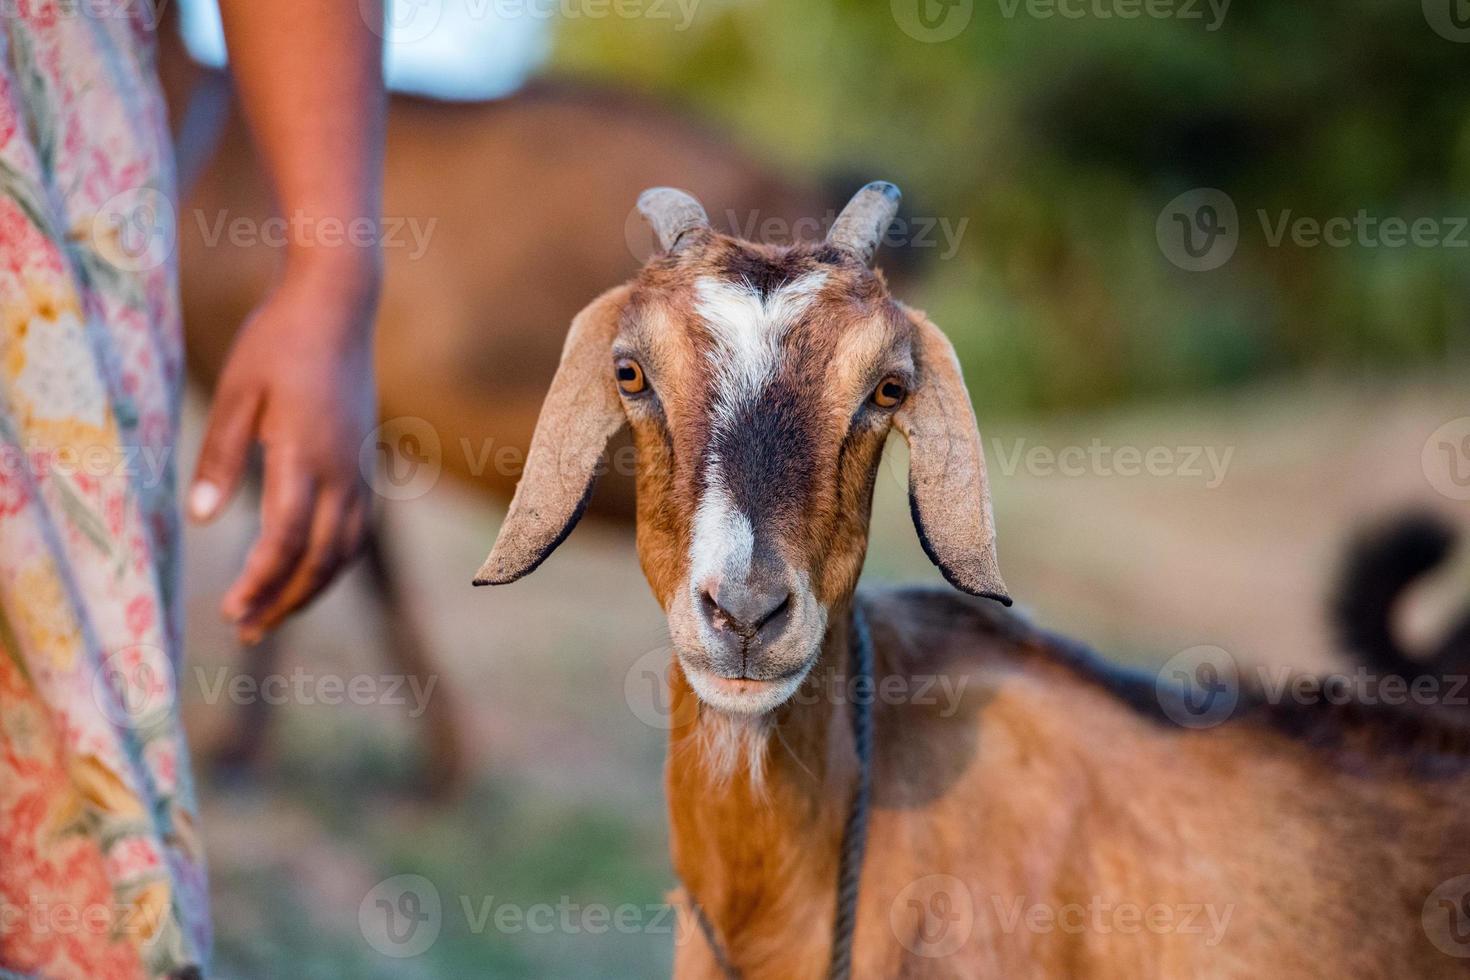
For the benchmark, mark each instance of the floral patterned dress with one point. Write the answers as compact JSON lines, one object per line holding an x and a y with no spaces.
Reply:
{"x":101,"y":874}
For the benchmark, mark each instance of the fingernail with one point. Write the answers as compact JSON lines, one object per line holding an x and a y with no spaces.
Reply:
{"x":203,"y":499}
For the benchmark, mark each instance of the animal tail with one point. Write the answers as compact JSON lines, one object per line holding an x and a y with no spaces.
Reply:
{"x":1381,"y":565}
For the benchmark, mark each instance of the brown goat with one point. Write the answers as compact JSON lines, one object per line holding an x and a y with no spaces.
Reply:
{"x":1051,"y":818}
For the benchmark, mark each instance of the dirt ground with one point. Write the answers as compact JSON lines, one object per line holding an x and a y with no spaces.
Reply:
{"x":1232,"y":541}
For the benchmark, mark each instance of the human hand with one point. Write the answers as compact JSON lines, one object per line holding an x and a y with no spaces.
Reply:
{"x":298,"y":381}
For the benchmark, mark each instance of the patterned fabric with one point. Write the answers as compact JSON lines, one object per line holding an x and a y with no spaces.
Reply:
{"x":101,"y":874}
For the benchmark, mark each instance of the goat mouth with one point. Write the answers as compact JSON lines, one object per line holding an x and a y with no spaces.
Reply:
{"x":748,"y":684}
{"x":744,"y":695}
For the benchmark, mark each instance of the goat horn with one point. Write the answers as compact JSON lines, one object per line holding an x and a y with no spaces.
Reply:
{"x":672,"y":213}
{"x":865,"y":220}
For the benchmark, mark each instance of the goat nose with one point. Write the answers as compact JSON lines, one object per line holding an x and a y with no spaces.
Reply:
{"x":743,"y":609}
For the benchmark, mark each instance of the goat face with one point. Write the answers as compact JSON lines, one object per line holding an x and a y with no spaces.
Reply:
{"x":760,"y":384}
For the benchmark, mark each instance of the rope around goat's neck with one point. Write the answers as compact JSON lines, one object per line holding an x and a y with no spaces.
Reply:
{"x":854,"y":831}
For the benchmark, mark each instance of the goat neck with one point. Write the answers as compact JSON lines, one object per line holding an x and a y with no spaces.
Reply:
{"x":757,"y":808}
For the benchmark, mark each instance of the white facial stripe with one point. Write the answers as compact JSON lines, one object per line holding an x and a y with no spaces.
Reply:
{"x":723,"y":538}
{"x":748,"y":330}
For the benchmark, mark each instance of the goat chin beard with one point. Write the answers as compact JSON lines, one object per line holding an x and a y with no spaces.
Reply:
{"x":737,"y":720}
{"x":730,"y":745}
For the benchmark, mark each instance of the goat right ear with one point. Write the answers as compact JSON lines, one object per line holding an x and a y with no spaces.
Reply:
{"x":581,"y":413}
{"x":948,"y":492}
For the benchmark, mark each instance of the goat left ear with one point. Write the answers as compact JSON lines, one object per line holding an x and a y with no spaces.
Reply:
{"x":948,"y":492}
{"x":580,"y":414}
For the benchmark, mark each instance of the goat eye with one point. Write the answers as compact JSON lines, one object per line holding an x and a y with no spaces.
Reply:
{"x":630,"y":375}
{"x":890,"y":392}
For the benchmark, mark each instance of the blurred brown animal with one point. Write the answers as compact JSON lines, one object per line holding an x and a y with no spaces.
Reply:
{"x":1037,"y":813}
{"x":521,"y":206}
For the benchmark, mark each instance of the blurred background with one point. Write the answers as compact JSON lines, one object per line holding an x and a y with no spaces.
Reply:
{"x":1207,"y":265}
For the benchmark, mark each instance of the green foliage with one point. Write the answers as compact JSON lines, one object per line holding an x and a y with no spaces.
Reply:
{"x":1060,"y":140}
